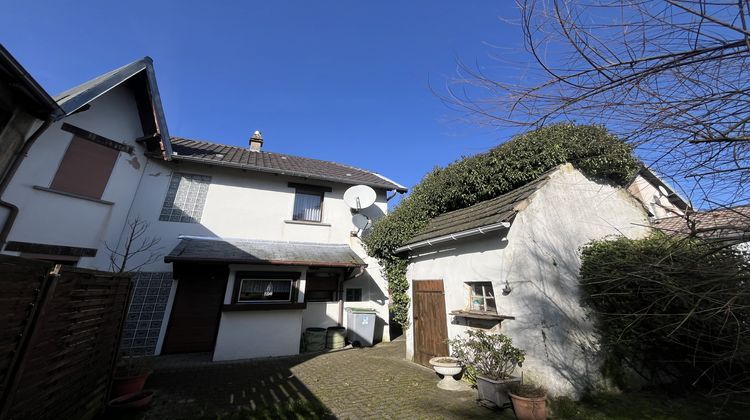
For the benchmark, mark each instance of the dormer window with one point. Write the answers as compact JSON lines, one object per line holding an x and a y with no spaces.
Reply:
{"x":308,"y":202}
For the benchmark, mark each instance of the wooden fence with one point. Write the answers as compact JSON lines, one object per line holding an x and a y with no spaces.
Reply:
{"x":59,"y":334}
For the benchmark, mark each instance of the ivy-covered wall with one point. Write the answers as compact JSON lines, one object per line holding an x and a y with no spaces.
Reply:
{"x":470,"y":180}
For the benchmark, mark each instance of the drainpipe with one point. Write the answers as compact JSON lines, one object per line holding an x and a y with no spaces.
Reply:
{"x":12,"y":208}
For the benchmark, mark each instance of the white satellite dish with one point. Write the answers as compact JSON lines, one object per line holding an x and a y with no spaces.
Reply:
{"x":360,"y":197}
{"x":360,"y":221}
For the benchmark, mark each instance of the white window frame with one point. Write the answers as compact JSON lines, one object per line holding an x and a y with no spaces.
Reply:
{"x":484,"y":296}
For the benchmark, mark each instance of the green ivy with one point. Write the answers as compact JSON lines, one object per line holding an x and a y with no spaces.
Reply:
{"x":591,"y":149}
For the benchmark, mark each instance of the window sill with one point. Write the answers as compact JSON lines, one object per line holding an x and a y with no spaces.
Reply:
{"x":262,"y":306}
{"x":480,"y":315}
{"x":303,"y":222}
{"x":73,"y":195}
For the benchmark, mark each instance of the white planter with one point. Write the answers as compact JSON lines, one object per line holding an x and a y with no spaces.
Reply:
{"x":448,"y":367}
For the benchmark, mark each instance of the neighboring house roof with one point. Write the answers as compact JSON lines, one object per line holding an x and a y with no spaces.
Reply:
{"x":30,"y":94}
{"x":76,"y":98}
{"x":277,"y":163}
{"x":723,"y":223}
{"x":245,"y":251}
{"x":673,"y":197}
{"x":482,"y":217}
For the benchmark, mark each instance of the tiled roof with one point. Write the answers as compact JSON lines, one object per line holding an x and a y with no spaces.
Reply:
{"x":497,"y":210}
{"x":238,"y":157}
{"x":246,"y":251}
{"x":723,"y":223}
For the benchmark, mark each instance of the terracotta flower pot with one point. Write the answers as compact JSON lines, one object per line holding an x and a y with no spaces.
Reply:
{"x":134,"y":401}
{"x":124,"y":385}
{"x":529,"y":408}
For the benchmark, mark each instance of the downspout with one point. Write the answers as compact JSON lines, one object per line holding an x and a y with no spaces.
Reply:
{"x":12,"y":208}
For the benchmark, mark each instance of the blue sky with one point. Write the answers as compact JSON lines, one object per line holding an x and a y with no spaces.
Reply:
{"x":337,"y":80}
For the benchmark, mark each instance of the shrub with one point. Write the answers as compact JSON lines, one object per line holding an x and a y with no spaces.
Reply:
{"x":489,"y":355}
{"x":671,"y":309}
{"x":591,"y":149}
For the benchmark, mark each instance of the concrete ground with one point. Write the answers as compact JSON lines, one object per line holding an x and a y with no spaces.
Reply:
{"x":368,"y":383}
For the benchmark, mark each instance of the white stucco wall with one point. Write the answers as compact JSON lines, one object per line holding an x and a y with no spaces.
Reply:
{"x":244,"y":335}
{"x":653,"y":198}
{"x":251,"y":205}
{"x":50,"y":218}
{"x":539,"y":259}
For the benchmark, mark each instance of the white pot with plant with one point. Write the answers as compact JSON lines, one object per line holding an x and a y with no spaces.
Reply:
{"x":490,"y":360}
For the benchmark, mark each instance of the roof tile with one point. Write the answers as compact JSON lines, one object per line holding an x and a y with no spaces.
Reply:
{"x":223,"y":155}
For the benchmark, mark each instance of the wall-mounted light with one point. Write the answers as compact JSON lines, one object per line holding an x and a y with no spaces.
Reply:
{"x":507,"y":289}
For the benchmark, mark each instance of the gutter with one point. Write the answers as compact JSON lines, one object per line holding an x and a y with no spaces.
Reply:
{"x":12,"y":208}
{"x":453,"y":237}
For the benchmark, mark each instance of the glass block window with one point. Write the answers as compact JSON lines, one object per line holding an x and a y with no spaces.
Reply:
{"x":146,"y":313}
{"x":185,"y":199}
{"x":354,"y":295}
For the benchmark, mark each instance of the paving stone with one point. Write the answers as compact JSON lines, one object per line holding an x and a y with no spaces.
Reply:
{"x":361,"y":383}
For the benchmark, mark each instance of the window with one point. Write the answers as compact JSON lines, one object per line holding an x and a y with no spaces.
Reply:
{"x":185,"y":199}
{"x":308,"y":206}
{"x":85,"y":168}
{"x":321,"y":286}
{"x":481,"y":297}
{"x":354,"y":295}
{"x":308,"y":202}
{"x":265,"y":290}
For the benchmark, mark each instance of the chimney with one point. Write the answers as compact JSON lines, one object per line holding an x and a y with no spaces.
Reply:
{"x":256,"y":141}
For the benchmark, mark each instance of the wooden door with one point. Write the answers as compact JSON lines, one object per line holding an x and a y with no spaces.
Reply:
{"x":430,"y":327}
{"x":196,"y":310}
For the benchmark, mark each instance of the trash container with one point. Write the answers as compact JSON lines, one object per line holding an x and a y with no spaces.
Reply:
{"x":360,"y":326}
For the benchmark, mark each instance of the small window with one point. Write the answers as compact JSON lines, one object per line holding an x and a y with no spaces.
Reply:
{"x":85,"y":168}
{"x":354,"y":295}
{"x":265,"y":290}
{"x":321,"y":287}
{"x":308,"y":206}
{"x":185,"y":198}
{"x":481,"y":297}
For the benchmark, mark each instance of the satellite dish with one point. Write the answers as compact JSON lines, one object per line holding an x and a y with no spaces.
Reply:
{"x":663,"y":190}
{"x":360,"y":197}
{"x":360,"y":221}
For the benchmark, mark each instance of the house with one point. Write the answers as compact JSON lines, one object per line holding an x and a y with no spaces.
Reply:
{"x":235,"y":250}
{"x":510,"y":264}
{"x":726,"y":224}
{"x":75,"y":185}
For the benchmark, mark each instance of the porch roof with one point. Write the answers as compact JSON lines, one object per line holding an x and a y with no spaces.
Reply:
{"x":249,"y":251}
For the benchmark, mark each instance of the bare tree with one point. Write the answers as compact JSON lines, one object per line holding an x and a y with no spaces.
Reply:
{"x":670,"y":76}
{"x":138,"y":246}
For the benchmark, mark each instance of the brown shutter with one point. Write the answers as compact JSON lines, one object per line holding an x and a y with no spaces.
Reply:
{"x":85,"y":168}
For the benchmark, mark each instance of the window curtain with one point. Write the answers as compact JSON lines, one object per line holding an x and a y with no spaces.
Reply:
{"x":307,"y":207}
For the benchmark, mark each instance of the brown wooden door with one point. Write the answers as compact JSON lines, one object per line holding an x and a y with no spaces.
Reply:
{"x":430,"y":327}
{"x":196,"y":310}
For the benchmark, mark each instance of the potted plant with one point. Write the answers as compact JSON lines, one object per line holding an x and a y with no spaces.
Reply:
{"x":130,"y":376}
{"x":490,"y":360}
{"x":448,"y":367}
{"x":529,"y":401}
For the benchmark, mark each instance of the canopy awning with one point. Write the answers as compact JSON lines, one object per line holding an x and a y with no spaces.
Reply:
{"x":247,"y":251}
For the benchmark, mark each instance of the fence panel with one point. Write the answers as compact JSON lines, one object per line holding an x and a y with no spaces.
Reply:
{"x":66,"y":368}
